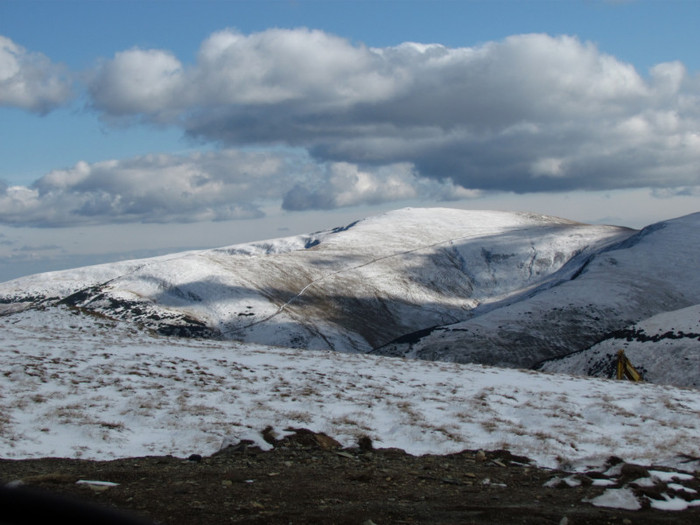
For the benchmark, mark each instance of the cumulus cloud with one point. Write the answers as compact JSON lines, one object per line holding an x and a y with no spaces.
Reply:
{"x":217,"y":185}
{"x":343,"y":184}
{"x":202,"y":186}
{"x":528,"y":113}
{"x":138,"y":81}
{"x":313,"y":121}
{"x":30,"y":80}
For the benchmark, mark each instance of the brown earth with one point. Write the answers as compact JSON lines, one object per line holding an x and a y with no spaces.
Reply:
{"x":307,"y":478}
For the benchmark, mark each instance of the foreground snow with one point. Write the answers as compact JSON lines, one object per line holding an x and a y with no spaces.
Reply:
{"x":79,"y":386}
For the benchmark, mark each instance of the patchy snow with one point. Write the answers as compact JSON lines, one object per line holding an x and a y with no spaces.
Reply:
{"x":672,"y":503}
{"x":76,"y":385}
{"x":603,"y":482}
{"x":617,"y":499}
{"x":664,"y":476}
{"x":681,"y":488}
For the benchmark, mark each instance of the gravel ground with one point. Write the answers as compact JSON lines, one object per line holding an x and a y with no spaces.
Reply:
{"x":308,"y":478}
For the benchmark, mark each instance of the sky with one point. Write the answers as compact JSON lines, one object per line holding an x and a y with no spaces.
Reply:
{"x":130,"y":129}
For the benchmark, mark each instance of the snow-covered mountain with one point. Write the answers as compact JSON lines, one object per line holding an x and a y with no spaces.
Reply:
{"x":348,"y":289}
{"x":510,"y":289}
{"x":649,"y":273}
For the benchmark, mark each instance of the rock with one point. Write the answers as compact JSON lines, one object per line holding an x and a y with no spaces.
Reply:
{"x":326,"y":442}
{"x":306,"y":438}
{"x":612,"y":461}
{"x":269,"y":436}
{"x":365,"y":444}
{"x":630,"y":472}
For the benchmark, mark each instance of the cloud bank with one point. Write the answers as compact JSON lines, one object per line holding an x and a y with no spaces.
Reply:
{"x":213,"y":186}
{"x":531,"y":113}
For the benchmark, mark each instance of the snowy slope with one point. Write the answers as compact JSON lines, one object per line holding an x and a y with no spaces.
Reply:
{"x":665,"y":348}
{"x":651,"y":272}
{"x":348,"y":289}
{"x":77,"y":385}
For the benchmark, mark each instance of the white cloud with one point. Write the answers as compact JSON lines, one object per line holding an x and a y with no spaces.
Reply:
{"x":207,"y":186}
{"x":548,"y":167}
{"x":344,"y":124}
{"x":138,"y":81}
{"x":529,"y":113}
{"x":280,"y":65}
{"x":31,"y":81}
{"x":218,"y":185}
{"x":343,"y":184}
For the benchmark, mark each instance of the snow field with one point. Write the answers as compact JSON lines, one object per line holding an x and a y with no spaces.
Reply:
{"x":80,"y":386}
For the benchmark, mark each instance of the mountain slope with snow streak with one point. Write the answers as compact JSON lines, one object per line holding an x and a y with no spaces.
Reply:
{"x":647,"y":274}
{"x":665,"y":349}
{"x":80,"y":385}
{"x":350,"y":289}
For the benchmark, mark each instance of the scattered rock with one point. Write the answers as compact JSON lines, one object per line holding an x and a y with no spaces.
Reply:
{"x":298,"y":481}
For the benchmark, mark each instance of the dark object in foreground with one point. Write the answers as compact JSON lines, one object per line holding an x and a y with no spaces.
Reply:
{"x":26,"y":505}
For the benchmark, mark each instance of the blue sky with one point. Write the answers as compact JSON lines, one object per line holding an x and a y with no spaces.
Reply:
{"x":133,"y":128}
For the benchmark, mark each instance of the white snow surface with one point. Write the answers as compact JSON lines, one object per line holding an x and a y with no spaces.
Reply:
{"x":622,"y":498}
{"x":673,"y":503}
{"x":77,"y":385}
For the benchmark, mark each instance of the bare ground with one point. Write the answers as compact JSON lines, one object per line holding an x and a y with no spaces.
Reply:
{"x":307,"y":478}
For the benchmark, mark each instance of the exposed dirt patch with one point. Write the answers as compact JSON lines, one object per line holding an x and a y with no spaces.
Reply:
{"x":308,"y":479}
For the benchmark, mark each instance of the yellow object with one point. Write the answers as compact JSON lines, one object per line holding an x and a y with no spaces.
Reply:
{"x":625,"y":368}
